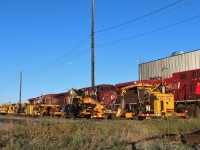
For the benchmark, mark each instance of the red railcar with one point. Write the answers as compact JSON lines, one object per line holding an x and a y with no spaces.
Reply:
{"x":33,"y":101}
{"x":185,"y":84}
{"x":48,"y":99}
{"x":105,"y":93}
{"x":62,"y":98}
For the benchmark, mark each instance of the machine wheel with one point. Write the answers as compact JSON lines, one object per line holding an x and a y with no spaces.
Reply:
{"x":180,"y":108}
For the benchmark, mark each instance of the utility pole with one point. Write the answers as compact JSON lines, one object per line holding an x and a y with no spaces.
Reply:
{"x":92,"y":51}
{"x":20,"y":93}
{"x":20,"y":90}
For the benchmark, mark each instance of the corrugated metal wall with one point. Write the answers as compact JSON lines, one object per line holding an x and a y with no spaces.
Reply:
{"x":182,"y":62}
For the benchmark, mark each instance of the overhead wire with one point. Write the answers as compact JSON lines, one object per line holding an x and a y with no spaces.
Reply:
{"x":66,"y":55}
{"x":130,"y":21}
{"x":145,"y":33}
{"x":113,"y":42}
{"x":10,"y":82}
{"x":58,"y":62}
{"x":144,"y":21}
{"x":61,"y":63}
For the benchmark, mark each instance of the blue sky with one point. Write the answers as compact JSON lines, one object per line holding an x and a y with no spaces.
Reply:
{"x":49,"y":41}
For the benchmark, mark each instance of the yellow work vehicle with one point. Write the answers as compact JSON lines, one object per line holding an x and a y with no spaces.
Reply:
{"x":46,"y":106}
{"x":8,"y":109}
{"x":93,"y":108}
{"x":152,"y":101}
{"x":11,"y":109}
{"x":50,"y":110}
{"x":21,"y":109}
{"x":32,"y":110}
{"x":155,"y":104}
{"x":56,"y":110}
{"x":4,"y":109}
{"x":84,"y":107}
{"x":122,"y":111}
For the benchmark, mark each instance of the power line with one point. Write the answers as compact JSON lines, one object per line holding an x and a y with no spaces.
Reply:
{"x":61,"y":63}
{"x":147,"y":20}
{"x":122,"y":24}
{"x":67,"y":54}
{"x":58,"y":62}
{"x":70,"y":52}
{"x":113,"y":42}
{"x":10,"y":82}
{"x":155,"y":30}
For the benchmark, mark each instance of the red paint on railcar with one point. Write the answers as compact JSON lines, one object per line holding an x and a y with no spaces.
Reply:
{"x":105,"y":93}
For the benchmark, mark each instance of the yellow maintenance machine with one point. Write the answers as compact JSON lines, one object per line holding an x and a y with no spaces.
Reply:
{"x":152,"y":102}
{"x":32,"y":110}
{"x":122,"y":112}
{"x":4,"y":109}
{"x":84,"y":107}
{"x":8,"y":109}
{"x":155,"y":102}
{"x":11,"y":109}
{"x":50,"y":110}
{"x":21,"y":109}
{"x":45,"y":107}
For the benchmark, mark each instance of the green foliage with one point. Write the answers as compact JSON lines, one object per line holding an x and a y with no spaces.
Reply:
{"x":59,"y":133}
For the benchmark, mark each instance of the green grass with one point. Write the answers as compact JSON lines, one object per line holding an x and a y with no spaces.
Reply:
{"x":59,"y":133}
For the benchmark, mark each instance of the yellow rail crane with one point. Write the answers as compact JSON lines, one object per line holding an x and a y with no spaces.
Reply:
{"x":7,"y":109}
{"x":21,"y":109}
{"x":152,"y":102}
{"x":50,"y":110}
{"x":83,"y":107}
{"x":11,"y":110}
{"x":122,"y":112}
{"x":4,"y":109}
{"x":32,"y":110}
{"x":47,"y":107}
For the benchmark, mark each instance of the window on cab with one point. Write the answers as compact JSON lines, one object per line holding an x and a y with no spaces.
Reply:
{"x":112,"y":88}
{"x":104,"y":88}
{"x":182,"y":76}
